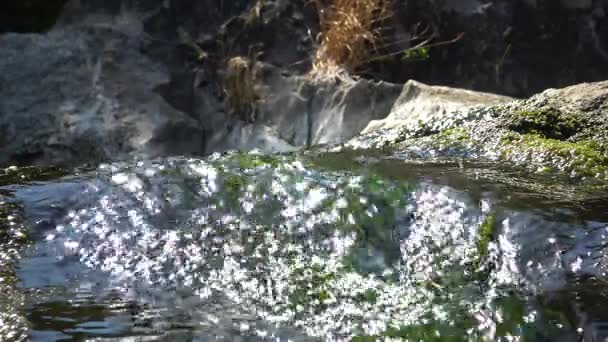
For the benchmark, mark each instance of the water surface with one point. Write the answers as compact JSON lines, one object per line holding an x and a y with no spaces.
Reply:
{"x":330,"y":247}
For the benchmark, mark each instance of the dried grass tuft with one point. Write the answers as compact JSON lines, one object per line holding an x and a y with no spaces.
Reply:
{"x":351,"y":31}
{"x":239,"y":87}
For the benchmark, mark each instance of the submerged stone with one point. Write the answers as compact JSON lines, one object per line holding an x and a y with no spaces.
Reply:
{"x":297,"y":246}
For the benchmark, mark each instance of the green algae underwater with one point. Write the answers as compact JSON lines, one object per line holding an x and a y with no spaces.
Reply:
{"x":358,"y":245}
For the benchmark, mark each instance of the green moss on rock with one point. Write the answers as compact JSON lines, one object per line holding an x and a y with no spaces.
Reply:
{"x":252,"y":161}
{"x":449,"y":142}
{"x":453,"y":135}
{"x":312,"y":286}
{"x":582,"y":159}
{"x":486,"y":234}
{"x":547,"y":121}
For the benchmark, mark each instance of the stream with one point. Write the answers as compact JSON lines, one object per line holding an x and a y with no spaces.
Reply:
{"x":301,"y":247}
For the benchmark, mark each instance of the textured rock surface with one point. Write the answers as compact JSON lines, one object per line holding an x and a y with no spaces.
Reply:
{"x":562,"y":131}
{"x":421,"y":102}
{"x":516,"y":48}
{"x":117,"y":77}
{"x":304,"y":112}
{"x":84,"y":95}
{"x":243,"y":137}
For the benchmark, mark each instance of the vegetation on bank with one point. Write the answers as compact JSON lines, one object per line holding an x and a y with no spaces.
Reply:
{"x":347,"y":38}
{"x":239,"y":88}
{"x":355,"y":33}
{"x":351,"y":32}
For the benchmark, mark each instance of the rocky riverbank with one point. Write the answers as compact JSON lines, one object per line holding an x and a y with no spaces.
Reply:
{"x":384,"y":207}
{"x":559,"y":130}
{"x":115,"y":80}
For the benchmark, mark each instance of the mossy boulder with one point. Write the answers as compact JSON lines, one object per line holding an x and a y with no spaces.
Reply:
{"x":560,"y":131}
{"x":582,"y":158}
{"x":547,"y":121}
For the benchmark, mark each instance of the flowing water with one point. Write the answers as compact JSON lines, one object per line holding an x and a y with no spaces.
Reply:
{"x":300,"y":247}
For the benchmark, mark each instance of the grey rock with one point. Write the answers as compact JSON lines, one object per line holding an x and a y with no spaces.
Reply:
{"x":421,"y":102}
{"x":243,"y":137}
{"x":301,"y":111}
{"x":85,"y":94}
{"x":583,"y":97}
{"x":560,"y":131}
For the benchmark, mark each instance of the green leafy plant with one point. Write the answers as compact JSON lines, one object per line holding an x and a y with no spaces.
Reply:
{"x":422,"y":53}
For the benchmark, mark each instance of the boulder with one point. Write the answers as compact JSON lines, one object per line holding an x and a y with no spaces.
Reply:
{"x":302,"y":111}
{"x":243,"y":137}
{"x":559,"y":131}
{"x":85,"y":94}
{"x":421,"y":102}
{"x":517,"y":48}
{"x":584,"y":97}
{"x":308,"y":111}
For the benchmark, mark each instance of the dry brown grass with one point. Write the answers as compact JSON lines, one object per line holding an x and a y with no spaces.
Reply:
{"x":239,"y":88}
{"x":351,"y":31}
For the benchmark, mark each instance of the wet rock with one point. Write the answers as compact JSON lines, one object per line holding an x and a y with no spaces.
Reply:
{"x":85,"y":94}
{"x":244,"y":137}
{"x":251,"y":245}
{"x":421,"y":102}
{"x":13,"y":239}
{"x":303,"y":111}
{"x":582,"y":110}
{"x":559,"y":130}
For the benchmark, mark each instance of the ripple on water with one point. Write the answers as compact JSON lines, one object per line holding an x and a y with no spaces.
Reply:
{"x":258,"y":246}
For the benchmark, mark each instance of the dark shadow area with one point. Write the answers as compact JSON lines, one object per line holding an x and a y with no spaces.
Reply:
{"x":516,"y":47}
{"x":29,"y":15}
